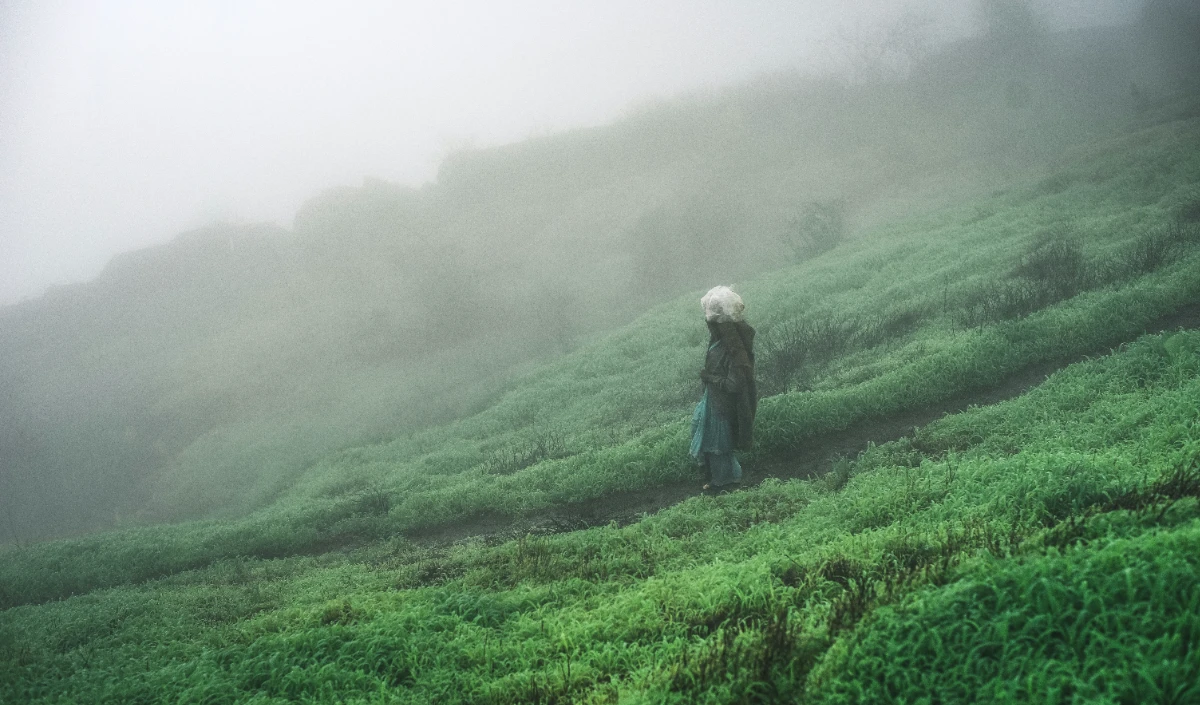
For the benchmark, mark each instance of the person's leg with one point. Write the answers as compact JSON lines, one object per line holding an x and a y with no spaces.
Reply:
{"x":724,"y":469}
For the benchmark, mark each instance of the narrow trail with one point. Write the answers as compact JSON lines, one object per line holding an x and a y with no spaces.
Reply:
{"x":813,"y":460}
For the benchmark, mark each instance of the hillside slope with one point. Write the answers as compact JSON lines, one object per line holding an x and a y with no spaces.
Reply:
{"x":1047,"y":544}
{"x":202,"y":377}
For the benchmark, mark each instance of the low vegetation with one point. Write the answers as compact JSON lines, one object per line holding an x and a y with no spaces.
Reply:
{"x":1046,"y":547}
{"x":1053,"y":539}
{"x":201,"y":378}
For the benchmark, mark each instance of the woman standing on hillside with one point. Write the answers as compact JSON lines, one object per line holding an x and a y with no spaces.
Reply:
{"x":724,"y":418}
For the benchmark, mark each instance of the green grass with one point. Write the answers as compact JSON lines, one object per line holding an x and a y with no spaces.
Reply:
{"x":720,"y":599}
{"x":198,"y":379}
{"x":984,"y":553}
{"x":1118,"y":623}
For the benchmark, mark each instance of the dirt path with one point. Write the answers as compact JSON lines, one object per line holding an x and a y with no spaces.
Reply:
{"x":811,"y":461}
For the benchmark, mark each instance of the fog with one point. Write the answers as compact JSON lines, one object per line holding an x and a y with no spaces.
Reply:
{"x":304,"y":230}
{"x":125,"y":123}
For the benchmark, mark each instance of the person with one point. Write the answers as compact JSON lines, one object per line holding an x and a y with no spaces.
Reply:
{"x":723,"y":422}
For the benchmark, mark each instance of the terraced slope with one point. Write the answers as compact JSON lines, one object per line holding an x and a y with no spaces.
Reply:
{"x":1050,"y":538}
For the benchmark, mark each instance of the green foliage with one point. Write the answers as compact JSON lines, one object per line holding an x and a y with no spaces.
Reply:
{"x":1066,"y":566}
{"x":1115,"y":623}
{"x":202,"y":378}
{"x":544,"y":445}
{"x":1157,"y":248}
{"x":1043,"y":547}
{"x":1055,"y":262}
{"x":611,"y":416}
{"x":838,"y":475}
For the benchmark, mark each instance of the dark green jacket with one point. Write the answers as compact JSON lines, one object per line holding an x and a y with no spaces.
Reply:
{"x":729,"y":373}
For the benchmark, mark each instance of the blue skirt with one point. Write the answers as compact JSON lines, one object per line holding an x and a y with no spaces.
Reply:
{"x":712,"y":443}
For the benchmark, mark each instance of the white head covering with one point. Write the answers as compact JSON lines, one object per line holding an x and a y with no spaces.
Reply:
{"x":721,"y":305}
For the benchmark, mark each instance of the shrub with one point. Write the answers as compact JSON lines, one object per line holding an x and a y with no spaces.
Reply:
{"x":374,"y":501}
{"x":1189,"y":212}
{"x":790,"y":352}
{"x":782,"y":354}
{"x":1157,"y":248}
{"x":820,"y":226}
{"x":1051,"y":269}
{"x":547,"y":444}
{"x":997,"y":301}
{"x":1054,"y":263}
{"x":891,"y":326}
{"x":838,"y":475}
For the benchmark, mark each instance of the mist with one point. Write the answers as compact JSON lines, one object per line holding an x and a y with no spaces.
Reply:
{"x":309,"y":231}
{"x":123,"y":124}
{"x":364,"y":353}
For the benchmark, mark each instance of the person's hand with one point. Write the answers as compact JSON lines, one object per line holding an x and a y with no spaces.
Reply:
{"x":706,"y":376}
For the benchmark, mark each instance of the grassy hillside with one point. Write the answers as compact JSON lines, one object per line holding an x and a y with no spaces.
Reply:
{"x":1041,"y":548}
{"x":203,"y":377}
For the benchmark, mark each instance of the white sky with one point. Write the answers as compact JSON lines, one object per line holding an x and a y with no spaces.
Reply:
{"x":123,"y":123}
